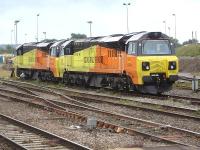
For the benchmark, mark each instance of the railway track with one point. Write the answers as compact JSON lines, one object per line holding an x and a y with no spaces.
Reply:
{"x":76,"y":117}
{"x":83,"y":97}
{"x":134,"y":104}
{"x":146,"y":126}
{"x":26,"y":137}
{"x":191,"y":100}
{"x":118,"y":101}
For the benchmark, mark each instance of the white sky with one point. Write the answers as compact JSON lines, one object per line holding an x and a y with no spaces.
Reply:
{"x":60,"y":18}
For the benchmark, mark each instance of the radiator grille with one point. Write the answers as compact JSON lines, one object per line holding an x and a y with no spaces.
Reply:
{"x":157,"y":66}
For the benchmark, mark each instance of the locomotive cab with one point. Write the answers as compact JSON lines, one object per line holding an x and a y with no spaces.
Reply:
{"x":54,"y":52}
{"x":157,"y":65}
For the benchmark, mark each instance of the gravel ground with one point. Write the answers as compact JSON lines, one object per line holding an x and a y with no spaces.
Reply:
{"x":4,"y":145}
{"x":151,"y":116}
{"x":159,"y":131}
{"x":184,"y":93}
{"x":155,"y":117}
{"x":99,"y":139}
{"x":189,"y":124}
{"x":182,"y":123}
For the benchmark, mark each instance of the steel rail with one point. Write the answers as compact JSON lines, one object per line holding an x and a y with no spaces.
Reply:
{"x":33,"y":133}
{"x":12,"y":143}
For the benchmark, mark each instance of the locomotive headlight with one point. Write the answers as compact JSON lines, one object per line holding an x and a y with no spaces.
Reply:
{"x":172,"y":65}
{"x":145,"y":66}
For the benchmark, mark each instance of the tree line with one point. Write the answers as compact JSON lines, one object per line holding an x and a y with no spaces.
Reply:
{"x":8,"y":49}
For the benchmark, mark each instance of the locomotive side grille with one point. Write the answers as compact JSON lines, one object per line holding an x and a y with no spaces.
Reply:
{"x":157,"y":66}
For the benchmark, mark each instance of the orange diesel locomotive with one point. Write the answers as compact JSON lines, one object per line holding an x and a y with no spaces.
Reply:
{"x":142,"y":61}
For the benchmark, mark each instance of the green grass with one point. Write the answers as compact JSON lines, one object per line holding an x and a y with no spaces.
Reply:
{"x":188,"y":50}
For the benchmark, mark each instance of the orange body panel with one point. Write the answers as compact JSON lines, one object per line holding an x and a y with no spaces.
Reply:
{"x":41,"y":61}
{"x":131,"y":67}
{"x":114,"y":61}
{"x":107,"y":61}
{"x":53,"y":66}
{"x":45,"y":62}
